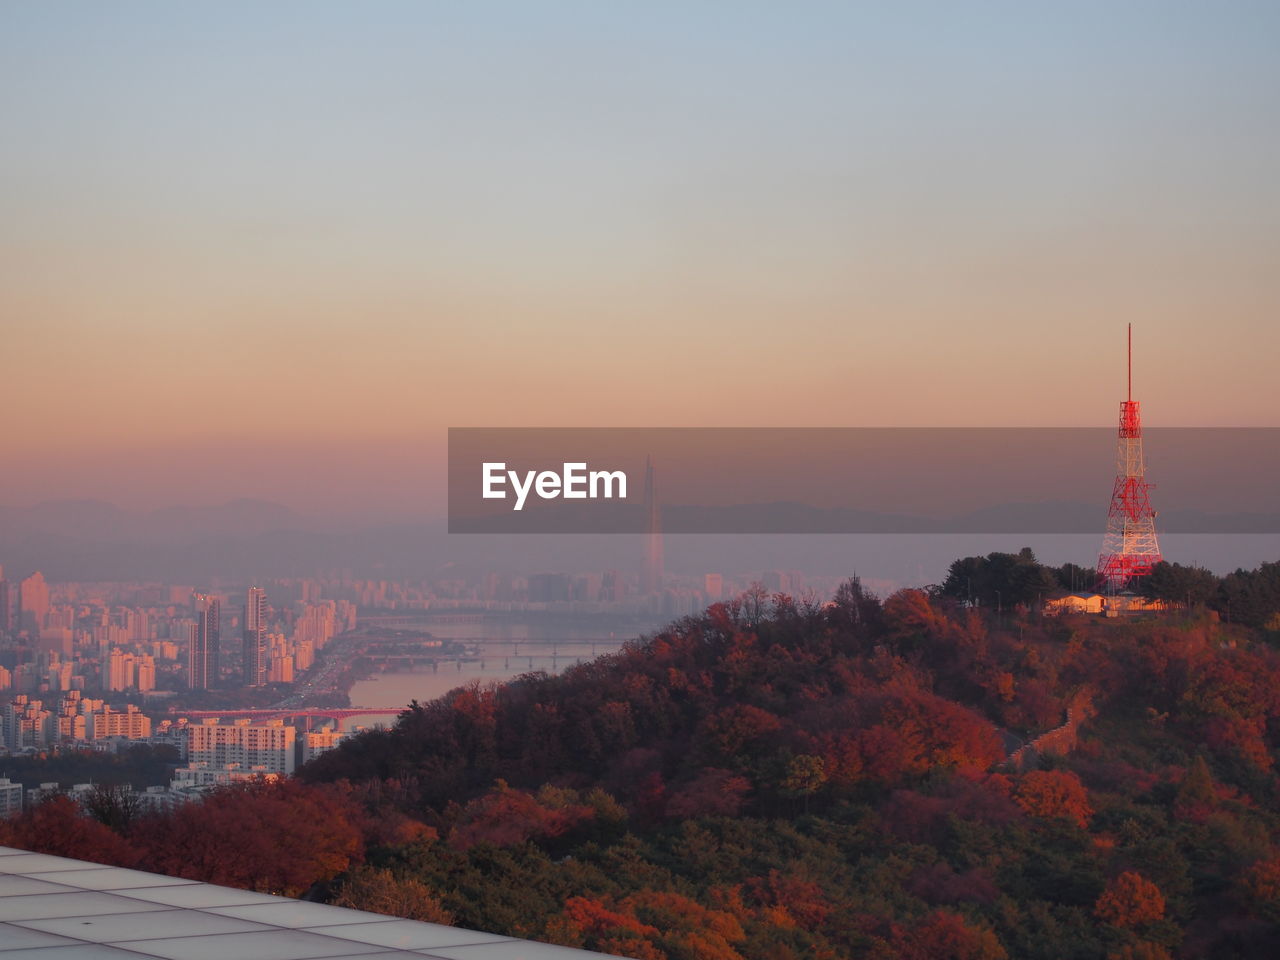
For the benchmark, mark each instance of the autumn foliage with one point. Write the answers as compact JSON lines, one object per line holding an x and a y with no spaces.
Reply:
{"x":1130,"y":900}
{"x":944,"y":935}
{"x":653,"y":925}
{"x":58,"y":826}
{"x":1054,"y":793}
{"x":504,"y":817}
{"x":272,"y":836}
{"x":785,"y":780}
{"x":1261,"y":887}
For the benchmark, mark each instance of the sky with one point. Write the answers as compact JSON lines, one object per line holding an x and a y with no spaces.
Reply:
{"x":276,"y":250}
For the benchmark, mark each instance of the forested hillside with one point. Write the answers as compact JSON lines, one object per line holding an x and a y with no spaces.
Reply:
{"x":776,"y":779}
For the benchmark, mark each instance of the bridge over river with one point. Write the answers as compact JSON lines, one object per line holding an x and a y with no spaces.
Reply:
{"x":306,"y":714}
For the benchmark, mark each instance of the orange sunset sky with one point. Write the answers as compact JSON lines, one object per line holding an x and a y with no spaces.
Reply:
{"x":275,"y":251}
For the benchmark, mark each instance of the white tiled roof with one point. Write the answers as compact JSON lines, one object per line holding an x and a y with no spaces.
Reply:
{"x":53,"y":908}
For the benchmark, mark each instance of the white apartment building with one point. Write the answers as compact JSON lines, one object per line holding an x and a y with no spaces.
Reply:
{"x":269,"y":745}
{"x":316,"y":742}
{"x":10,"y":798}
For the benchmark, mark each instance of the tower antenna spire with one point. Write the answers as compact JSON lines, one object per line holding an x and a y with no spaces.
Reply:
{"x":1129,"y":547}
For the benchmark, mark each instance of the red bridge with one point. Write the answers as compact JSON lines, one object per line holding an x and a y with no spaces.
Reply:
{"x":337,"y":714}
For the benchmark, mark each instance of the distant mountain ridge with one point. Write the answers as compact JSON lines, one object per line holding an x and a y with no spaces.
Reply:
{"x":248,"y":538}
{"x":98,"y":520}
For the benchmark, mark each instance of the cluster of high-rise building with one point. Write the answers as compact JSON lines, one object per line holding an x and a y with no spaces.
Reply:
{"x":277,"y":657}
{"x":130,"y":671}
{"x":118,"y":638}
{"x":271,"y":631}
{"x":267,"y":652}
{"x":28,"y":724}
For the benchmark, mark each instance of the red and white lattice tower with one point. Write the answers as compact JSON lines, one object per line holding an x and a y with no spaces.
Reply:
{"x":1129,"y":548}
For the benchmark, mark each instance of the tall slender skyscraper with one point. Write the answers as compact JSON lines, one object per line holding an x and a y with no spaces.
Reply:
{"x":4,"y":603}
{"x":254,"y":656}
{"x":651,"y":574}
{"x":203,"y":655}
{"x":33,"y":603}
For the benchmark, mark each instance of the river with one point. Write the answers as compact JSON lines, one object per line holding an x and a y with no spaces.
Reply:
{"x":506,"y":648}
